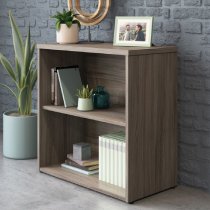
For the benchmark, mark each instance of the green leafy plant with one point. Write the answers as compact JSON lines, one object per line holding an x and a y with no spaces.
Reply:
{"x":24,"y":74}
{"x":84,"y":92}
{"x":67,"y":17}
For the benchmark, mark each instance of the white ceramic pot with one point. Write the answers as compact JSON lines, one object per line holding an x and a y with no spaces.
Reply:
{"x":68,"y":35}
{"x":85,"y":104}
{"x":19,"y":135}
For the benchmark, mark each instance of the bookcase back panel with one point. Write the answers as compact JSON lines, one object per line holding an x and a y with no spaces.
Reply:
{"x":94,"y":129}
{"x":107,"y":71}
{"x":51,"y":59}
{"x":58,"y":133}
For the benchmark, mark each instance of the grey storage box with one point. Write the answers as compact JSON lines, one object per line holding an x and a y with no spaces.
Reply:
{"x":81,"y":151}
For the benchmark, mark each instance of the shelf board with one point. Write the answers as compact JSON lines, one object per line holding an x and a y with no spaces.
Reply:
{"x":115,"y":116}
{"x":90,"y":182}
{"x":107,"y":48}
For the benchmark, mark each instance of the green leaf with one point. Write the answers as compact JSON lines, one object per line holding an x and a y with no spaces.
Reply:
{"x":17,"y":40}
{"x":69,"y":24}
{"x":77,"y":22}
{"x":33,"y":78}
{"x":27,"y":54}
{"x":23,"y":100}
{"x":7,"y":66}
{"x":18,"y":72}
{"x":8,"y":88}
{"x":58,"y":25}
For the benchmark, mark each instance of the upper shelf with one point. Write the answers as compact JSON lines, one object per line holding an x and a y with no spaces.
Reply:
{"x":107,"y":48}
{"x":115,"y":116}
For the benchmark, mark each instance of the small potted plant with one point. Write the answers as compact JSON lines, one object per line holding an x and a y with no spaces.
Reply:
{"x":20,"y":125}
{"x":85,"y":101}
{"x":67,"y":27}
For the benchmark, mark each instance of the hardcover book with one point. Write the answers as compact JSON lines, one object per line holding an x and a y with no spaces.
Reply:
{"x":79,"y":170}
{"x":86,"y":168}
{"x":91,"y":162}
{"x":69,"y":80}
{"x":56,"y":96}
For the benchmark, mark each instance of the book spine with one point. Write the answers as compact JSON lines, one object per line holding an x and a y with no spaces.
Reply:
{"x":75,"y":169}
{"x":103,"y":162}
{"x":58,"y":94}
{"x":115,"y":163}
{"x":100,"y":158}
{"x":107,"y":161}
{"x":111,"y":165}
{"x":52,"y":85}
{"x":124,"y":164}
{"x":120,"y":164}
{"x":62,"y":92}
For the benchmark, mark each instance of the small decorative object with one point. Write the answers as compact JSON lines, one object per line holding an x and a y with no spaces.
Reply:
{"x":81,"y":151}
{"x":100,"y":98}
{"x":90,"y":19}
{"x":133,"y":31}
{"x":20,"y":125}
{"x":67,"y":27}
{"x":85,"y":101}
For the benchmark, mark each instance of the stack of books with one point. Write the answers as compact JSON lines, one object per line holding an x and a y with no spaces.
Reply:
{"x":112,"y":159}
{"x":87,"y":167}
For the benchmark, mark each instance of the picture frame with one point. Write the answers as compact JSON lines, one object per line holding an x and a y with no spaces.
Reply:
{"x":133,"y":31}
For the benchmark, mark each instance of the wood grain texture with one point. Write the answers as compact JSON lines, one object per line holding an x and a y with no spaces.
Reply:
{"x":91,"y":182}
{"x":143,"y":82}
{"x":107,"y":71}
{"x":107,"y":48}
{"x":151,"y":124}
{"x":115,"y":116}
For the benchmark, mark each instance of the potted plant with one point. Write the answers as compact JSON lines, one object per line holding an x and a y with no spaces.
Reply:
{"x":85,"y":101}
{"x":67,"y":27}
{"x":20,"y":126}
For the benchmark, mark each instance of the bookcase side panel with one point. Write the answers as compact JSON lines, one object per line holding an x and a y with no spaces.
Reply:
{"x":151,"y":124}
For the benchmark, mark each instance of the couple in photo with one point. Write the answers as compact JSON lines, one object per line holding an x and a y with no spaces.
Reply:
{"x":139,"y":34}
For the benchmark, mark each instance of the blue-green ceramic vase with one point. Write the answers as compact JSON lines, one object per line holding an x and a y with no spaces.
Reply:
{"x":100,"y":98}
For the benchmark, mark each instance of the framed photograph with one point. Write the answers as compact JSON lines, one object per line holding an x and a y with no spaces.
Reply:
{"x":133,"y":31}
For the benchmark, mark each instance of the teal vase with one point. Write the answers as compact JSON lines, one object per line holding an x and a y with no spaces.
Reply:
{"x":100,"y":98}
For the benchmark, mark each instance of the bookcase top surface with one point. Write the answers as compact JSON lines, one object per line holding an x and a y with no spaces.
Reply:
{"x":107,"y":48}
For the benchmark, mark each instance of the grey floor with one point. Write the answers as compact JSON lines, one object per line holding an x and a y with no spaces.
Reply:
{"x":22,"y":187}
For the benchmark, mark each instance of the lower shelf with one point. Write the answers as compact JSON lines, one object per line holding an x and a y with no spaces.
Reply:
{"x":90,"y":182}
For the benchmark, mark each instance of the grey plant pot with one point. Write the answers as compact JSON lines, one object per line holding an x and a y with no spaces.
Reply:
{"x":19,"y":136}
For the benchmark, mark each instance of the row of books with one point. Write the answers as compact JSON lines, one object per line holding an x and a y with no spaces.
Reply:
{"x":64,"y":83}
{"x":87,"y":167}
{"x":112,"y":159}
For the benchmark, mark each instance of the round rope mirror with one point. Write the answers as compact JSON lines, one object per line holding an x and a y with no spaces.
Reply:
{"x":90,"y":19}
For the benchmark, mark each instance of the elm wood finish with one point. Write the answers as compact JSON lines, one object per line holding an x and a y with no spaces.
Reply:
{"x":151,"y":124}
{"x":148,"y":78}
{"x":90,"y":182}
{"x":115,"y":116}
{"x":107,"y":48}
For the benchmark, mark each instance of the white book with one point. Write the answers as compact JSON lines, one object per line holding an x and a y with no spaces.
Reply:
{"x":112,"y":161}
{"x":123,"y":164}
{"x":119,"y":163}
{"x":107,"y":160}
{"x":100,"y":157}
{"x":79,"y":170}
{"x":115,"y":163}
{"x":104,"y":160}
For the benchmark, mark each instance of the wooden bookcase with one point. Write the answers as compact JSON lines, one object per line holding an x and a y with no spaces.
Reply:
{"x":142,"y":83}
